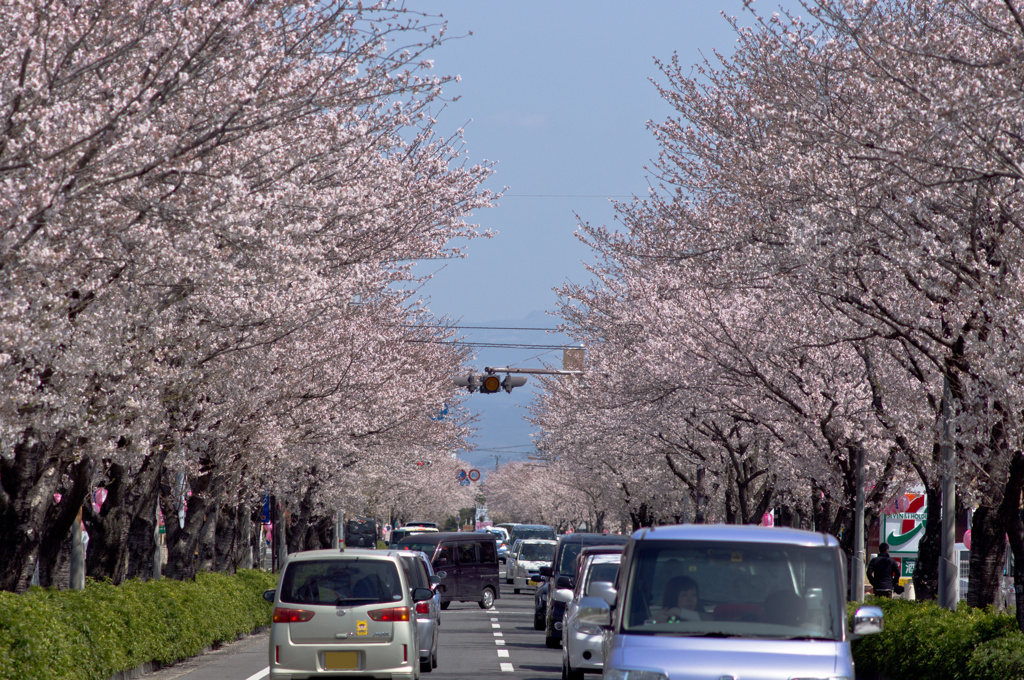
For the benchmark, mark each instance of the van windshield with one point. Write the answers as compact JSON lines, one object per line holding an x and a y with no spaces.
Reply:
{"x":745,"y":590}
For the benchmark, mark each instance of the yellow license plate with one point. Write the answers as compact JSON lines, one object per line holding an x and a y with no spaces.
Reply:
{"x":341,"y":661}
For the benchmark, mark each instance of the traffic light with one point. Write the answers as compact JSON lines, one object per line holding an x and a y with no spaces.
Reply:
{"x":511,"y":381}
{"x":490,"y":383}
{"x":470,"y":381}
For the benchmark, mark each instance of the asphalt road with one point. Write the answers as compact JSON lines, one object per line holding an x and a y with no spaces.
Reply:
{"x":474,"y":643}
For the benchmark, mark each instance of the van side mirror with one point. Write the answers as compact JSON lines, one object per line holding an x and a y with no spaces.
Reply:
{"x":563,"y":582}
{"x":269,"y":595}
{"x":604,"y":590}
{"x":868,"y":620}
{"x":563,"y":595}
{"x":421,"y":594}
{"x":546,"y":570}
{"x":596,"y":611}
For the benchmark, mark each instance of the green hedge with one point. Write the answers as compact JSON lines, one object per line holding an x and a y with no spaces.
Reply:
{"x":92,"y":634}
{"x":923,"y":640}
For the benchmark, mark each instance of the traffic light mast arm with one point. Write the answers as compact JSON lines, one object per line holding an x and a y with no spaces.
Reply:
{"x":530,"y":371}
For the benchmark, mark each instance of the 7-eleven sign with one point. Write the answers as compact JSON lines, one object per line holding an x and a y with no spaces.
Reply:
{"x":903,"y":522}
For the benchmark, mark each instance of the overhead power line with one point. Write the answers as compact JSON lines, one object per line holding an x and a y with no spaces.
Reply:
{"x":506,"y":345}
{"x":479,"y":328}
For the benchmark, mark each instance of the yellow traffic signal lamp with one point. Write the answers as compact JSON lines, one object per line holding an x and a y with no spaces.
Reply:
{"x":490,"y":385}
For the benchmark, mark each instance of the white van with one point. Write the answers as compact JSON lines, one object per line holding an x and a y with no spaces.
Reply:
{"x":726,"y":601}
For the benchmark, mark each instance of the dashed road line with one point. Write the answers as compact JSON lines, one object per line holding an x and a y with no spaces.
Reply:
{"x":507,"y":668}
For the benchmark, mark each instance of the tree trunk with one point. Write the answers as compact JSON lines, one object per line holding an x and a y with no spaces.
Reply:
{"x":225,"y":547}
{"x":121,"y":533}
{"x":988,"y":555}
{"x":28,"y":481}
{"x":55,"y":547}
{"x":929,"y":549}
{"x":1014,"y":524}
{"x":182,"y":543}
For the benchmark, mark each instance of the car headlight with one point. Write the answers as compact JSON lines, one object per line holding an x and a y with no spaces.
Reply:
{"x":585,"y":628}
{"x":632,"y":674}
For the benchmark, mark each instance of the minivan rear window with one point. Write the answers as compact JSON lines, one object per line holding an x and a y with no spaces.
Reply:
{"x":341,"y":581}
{"x":532,"y":531}
{"x":427,"y":547}
{"x":537,"y":552}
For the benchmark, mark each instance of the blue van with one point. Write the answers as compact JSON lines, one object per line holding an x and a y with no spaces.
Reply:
{"x":727,"y":601}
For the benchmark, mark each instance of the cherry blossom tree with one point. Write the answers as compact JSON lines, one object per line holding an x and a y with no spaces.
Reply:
{"x":824,"y":267}
{"x":205,"y":208}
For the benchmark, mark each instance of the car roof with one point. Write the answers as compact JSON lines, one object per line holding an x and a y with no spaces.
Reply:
{"x":347,"y":553}
{"x":593,"y":539}
{"x":602,"y":549}
{"x":537,"y":540}
{"x":727,"y":533}
{"x":438,"y":536}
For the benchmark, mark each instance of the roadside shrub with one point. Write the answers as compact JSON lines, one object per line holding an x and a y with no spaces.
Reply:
{"x":92,"y":634}
{"x":924,"y":640}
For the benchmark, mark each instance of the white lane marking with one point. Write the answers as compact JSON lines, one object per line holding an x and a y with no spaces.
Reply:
{"x":495,"y":625}
{"x":494,"y":618}
{"x":261,"y":674}
{"x":499,"y":641}
{"x":497,"y":633}
{"x":503,"y":653}
{"x":507,"y":667}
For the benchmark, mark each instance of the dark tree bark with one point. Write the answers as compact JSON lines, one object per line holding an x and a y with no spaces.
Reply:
{"x":988,"y":555}
{"x":121,"y":533}
{"x":929,"y":549}
{"x":28,"y":481}
{"x":641,"y":517}
{"x":1014,"y":524}
{"x":55,"y":547}
{"x":183,"y":542}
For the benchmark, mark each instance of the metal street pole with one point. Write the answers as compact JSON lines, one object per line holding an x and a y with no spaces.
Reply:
{"x":948,"y":568}
{"x":857,"y":580}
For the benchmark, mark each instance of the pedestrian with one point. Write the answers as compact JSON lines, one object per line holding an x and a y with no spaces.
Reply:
{"x":883,"y":572}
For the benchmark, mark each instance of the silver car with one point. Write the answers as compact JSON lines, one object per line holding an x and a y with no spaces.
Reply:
{"x":715,"y":601}
{"x":341,"y":613}
{"x":428,"y":612}
{"x":581,"y":642}
{"x":533,"y":554}
{"x":510,"y":562}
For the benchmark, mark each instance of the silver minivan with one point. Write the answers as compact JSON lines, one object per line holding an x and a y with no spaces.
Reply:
{"x":349,"y":612}
{"x":727,"y":601}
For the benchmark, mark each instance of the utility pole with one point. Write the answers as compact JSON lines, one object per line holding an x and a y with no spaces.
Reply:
{"x":948,"y":568}
{"x":857,"y":586}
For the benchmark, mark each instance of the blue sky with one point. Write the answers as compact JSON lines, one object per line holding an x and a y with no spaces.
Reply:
{"x":557,"y":93}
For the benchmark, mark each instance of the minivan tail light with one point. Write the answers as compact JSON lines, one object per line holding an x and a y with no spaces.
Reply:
{"x":390,"y":614}
{"x":283,"y":615}
{"x":423,"y":607}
